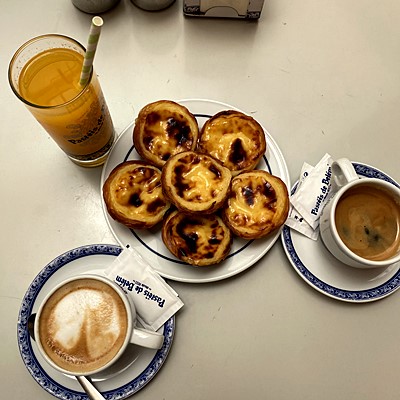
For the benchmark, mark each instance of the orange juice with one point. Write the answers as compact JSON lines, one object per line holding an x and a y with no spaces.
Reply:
{"x":76,"y":117}
{"x":51,"y":78}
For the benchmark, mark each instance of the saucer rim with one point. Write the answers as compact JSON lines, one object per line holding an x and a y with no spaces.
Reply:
{"x":33,"y":365}
{"x":353,"y":296}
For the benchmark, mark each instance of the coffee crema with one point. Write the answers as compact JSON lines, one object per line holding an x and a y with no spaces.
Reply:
{"x":83,"y":325}
{"x":367,"y":219}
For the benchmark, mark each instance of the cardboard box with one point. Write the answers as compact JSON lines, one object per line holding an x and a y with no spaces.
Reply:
{"x":246,"y":9}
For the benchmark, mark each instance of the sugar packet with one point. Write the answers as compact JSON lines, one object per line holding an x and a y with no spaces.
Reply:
{"x":312,"y":192}
{"x":155,"y":301}
{"x":311,"y":197}
{"x":295,"y":220}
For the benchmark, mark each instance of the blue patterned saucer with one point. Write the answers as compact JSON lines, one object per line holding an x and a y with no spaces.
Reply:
{"x":313,"y":262}
{"x":129,"y":376}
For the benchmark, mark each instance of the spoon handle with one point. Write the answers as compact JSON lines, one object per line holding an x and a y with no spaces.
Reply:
{"x":88,"y":387}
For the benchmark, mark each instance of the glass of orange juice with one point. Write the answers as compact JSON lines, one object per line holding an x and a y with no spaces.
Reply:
{"x":44,"y":73}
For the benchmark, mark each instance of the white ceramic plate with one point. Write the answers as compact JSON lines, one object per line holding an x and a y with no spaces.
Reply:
{"x":313,"y":262}
{"x":128,"y":375}
{"x":149,"y":243}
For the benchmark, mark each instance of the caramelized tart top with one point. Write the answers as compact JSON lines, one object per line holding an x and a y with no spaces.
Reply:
{"x":162,"y":129}
{"x":195,"y":182}
{"x":197,"y":239}
{"x":133,"y":194}
{"x":235,"y":139}
{"x":258,"y":204}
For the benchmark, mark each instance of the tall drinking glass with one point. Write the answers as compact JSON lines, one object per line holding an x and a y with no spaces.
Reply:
{"x":44,"y":74}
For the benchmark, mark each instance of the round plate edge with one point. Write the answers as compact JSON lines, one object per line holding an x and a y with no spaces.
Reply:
{"x":285,"y":178}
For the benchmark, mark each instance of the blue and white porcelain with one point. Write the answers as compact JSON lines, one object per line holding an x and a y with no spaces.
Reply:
{"x":325,"y":273}
{"x":130,"y":374}
{"x":149,"y":243}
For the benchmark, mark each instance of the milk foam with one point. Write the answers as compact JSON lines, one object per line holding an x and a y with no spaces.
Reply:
{"x":83,"y":325}
{"x":77,"y":309}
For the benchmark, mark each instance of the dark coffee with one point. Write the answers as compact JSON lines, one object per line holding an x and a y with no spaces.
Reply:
{"x":368,"y":222}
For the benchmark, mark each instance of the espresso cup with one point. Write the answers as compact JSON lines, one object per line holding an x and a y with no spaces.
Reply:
{"x":360,"y":225}
{"x":85,"y":323}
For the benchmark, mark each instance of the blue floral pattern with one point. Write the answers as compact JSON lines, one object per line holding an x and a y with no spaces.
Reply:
{"x":25,"y":346}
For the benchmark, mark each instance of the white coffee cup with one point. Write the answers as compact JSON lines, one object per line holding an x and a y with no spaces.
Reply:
{"x":85,"y":324}
{"x":348,"y":183}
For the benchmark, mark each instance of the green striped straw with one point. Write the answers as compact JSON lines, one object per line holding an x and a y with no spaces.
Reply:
{"x":94,"y":34}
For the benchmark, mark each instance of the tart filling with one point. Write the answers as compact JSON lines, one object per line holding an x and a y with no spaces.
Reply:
{"x":195,"y":182}
{"x":133,"y":194}
{"x":235,"y":139}
{"x":197,"y":239}
{"x":257,"y":204}
{"x":162,"y":129}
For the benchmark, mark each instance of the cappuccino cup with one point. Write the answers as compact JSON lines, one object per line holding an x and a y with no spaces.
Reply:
{"x":85,"y":323}
{"x":360,"y":225}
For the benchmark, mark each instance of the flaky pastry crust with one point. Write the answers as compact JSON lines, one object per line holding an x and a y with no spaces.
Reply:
{"x":235,"y":139}
{"x":198,"y":240}
{"x":195,"y":183}
{"x":162,"y":129}
{"x":133,"y":194}
{"x":258,"y":204}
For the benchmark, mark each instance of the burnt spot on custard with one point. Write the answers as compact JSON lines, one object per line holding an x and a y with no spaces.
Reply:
{"x":215,"y":171}
{"x":232,"y":195}
{"x":215,"y":224}
{"x":134,"y":200}
{"x":144,"y":176}
{"x":143,"y":179}
{"x":185,"y":231}
{"x":191,"y":244}
{"x":269,"y":191}
{"x":270,"y":194}
{"x":155,"y":206}
{"x":270,"y":205}
{"x":248,"y":194}
{"x":179,"y":131}
{"x":184,"y":165}
{"x":147,"y":141}
{"x":194,"y":159}
{"x":174,"y":127}
{"x":237,"y":154}
{"x":180,"y":185}
{"x":179,"y":169}
{"x":214,"y":240}
{"x":153,"y":118}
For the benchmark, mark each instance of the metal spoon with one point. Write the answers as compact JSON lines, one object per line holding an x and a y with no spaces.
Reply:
{"x":87,"y":386}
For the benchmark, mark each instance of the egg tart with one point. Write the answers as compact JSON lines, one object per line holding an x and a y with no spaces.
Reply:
{"x":195,"y":183}
{"x":198,"y":240}
{"x":258,"y":204}
{"x":133,"y":194}
{"x":162,"y":129}
{"x":235,"y":139}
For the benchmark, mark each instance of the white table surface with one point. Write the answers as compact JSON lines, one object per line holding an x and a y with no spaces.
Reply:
{"x":321,"y":76}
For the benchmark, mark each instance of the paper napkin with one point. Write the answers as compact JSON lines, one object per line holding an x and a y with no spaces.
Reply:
{"x":155,"y":301}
